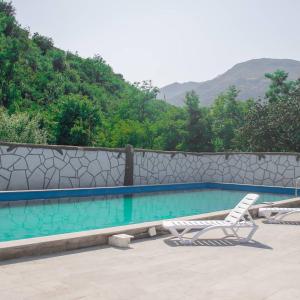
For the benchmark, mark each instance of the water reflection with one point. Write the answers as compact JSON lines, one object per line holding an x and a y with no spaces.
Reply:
{"x":128,"y":205}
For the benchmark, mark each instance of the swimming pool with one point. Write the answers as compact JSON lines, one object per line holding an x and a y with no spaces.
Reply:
{"x":43,"y":217}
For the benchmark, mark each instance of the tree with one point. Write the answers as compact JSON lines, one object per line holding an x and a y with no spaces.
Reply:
{"x":170,"y":131}
{"x":274,"y":125}
{"x":7,"y":21}
{"x":280,"y":88}
{"x":7,"y":8}
{"x":129,"y":132}
{"x":13,"y":42}
{"x":197,"y":131}
{"x":43,"y":42}
{"x":77,"y":120}
{"x":58,"y":62}
{"x":227,"y":116}
{"x":148,"y":93}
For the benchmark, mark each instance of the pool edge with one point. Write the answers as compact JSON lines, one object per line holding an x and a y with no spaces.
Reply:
{"x":73,"y":241}
{"x":134,"y":189}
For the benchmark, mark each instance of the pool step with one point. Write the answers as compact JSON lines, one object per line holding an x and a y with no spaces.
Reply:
{"x":120,"y":240}
{"x":152,"y":231}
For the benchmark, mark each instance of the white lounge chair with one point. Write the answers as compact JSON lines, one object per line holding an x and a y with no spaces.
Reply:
{"x":277,"y":214}
{"x":233,"y":222}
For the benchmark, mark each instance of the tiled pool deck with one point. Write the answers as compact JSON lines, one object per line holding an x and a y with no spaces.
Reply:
{"x":267,"y":268}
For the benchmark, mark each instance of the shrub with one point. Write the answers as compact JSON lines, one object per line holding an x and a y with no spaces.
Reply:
{"x":43,"y":42}
{"x":20,"y":128}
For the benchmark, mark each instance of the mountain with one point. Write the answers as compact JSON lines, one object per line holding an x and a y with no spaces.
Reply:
{"x":247,"y":76}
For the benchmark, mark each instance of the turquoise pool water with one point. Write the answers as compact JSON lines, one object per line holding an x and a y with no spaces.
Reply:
{"x":34,"y":218}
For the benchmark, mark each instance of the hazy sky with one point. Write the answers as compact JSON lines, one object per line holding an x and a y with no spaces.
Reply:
{"x":168,"y":40}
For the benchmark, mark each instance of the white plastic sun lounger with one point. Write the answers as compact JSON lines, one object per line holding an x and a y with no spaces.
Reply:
{"x":277,"y":214}
{"x":233,"y":222}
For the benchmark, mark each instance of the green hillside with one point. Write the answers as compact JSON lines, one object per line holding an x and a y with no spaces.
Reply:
{"x":48,"y":95}
{"x":76,"y":101}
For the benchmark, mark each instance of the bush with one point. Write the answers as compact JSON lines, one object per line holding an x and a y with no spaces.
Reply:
{"x":20,"y":128}
{"x":59,"y":63}
{"x":7,"y":8}
{"x":43,"y":42}
{"x":77,"y":121}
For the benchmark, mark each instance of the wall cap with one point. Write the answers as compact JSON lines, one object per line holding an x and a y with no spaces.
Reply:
{"x":173,"y":153}
{"x":59,"y":147}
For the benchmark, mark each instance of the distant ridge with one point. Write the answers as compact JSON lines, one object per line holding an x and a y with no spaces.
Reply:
{"x":247,"y":76}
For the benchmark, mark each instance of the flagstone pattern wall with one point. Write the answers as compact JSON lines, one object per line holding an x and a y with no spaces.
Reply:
{"x":277,"y":169}
{"x":47,"y":167}
{"x":25,"y":167}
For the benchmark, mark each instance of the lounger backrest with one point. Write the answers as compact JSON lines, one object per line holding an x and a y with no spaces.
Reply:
{"x":241,"y":208}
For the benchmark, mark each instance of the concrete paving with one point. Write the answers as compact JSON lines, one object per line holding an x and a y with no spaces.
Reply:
{"x":266,"y":268}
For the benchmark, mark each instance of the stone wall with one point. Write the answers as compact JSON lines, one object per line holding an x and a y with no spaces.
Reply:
{"x":278,"y":169}
{"x":25,"y":166}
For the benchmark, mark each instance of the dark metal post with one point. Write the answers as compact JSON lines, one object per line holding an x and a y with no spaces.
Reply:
{"x":128,"y":177}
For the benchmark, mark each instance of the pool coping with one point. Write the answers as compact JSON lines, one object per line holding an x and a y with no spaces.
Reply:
{"x":135,"y":189}
{"x":78,"y":240}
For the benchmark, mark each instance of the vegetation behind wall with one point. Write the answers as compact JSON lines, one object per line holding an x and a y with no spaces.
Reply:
{"x":52,"y":96}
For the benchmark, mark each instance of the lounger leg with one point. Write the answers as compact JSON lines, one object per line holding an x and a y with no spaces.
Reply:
{"x":235,"y":233}
{"x":283,"y":215}
{"x":240,"y":239}
{"x":276,"y":217}
{"x":185,"y":241}
{"x":268,"y":215}
{"x":272,"y":218}
{"x":196,"y":236}
{"x":250,"y":235}
{"x":226,"y":233}
{"x":184,"y":232}
{"x":175,"y":233}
